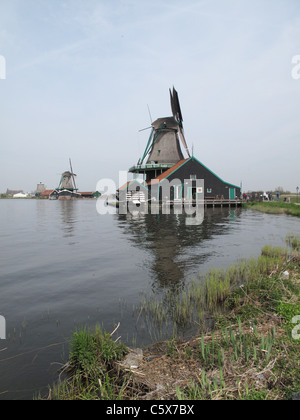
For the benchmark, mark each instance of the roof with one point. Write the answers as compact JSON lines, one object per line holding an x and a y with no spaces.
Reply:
{"x":46,"y":192}
{"x":131,"y":182}
{"x":11,"y":192}
{"x":165,"y":174}
{"x":174,"y":168}
{"x":124,"y":186}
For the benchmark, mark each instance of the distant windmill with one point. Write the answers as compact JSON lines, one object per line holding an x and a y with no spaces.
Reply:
{"x":67,"y":188}
{"x":67,"y":181}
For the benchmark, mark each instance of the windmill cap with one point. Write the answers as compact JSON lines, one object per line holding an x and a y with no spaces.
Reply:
{"x":169,"y":122}
{"x":68,"y":173}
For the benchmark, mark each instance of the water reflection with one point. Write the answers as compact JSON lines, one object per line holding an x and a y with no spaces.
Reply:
{"x":171,"y":239}
{"x":41,"y":211}
{"x":68,"y":217}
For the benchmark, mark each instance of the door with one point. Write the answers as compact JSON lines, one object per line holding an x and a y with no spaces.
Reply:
{"x":232,"y":193}
{"x":194,"y":193}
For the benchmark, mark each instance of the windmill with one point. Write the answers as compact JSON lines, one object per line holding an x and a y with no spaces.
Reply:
{"x":163,"y":144}
{"x":67,"y":188}
{"x":163,"y":148}
{"x":67,"y":181}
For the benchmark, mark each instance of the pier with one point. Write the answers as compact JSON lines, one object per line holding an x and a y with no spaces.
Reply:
{"x":207,"y":202}
{"x":222,"y":203}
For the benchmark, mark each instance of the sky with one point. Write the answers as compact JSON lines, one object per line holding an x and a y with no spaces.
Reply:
{"x":81,"y":74}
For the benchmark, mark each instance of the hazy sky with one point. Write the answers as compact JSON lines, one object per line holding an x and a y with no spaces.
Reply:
{"x":80,"y":74}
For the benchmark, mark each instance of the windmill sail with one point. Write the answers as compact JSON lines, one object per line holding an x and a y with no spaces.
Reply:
{"x":181,"y":133}
{"x":73,"y":175}
{"x":176,"y":110}
{"x":172,"y":104}
{"x":176,"y":106}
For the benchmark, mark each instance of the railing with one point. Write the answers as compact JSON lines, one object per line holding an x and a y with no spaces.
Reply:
{"x":151,"y":166}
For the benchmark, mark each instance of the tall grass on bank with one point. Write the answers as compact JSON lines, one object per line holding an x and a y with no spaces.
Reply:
{"x":175,"y":312}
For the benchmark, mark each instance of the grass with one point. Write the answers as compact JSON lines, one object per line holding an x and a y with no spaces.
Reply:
{"x":250,"y":353}
{"x":275,"y":207}
{"x":91,"y":370}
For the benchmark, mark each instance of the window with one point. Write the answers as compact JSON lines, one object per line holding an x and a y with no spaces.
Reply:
{"x":178,"y":192}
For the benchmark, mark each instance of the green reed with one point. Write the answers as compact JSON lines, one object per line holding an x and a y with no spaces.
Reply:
{"x":176,"y":310}
{"x":293,"y":242}
{"x":240,"y":346}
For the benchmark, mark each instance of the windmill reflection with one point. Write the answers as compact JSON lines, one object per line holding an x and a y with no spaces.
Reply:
{"x":171,"y":240}
{"x":68,"y":218}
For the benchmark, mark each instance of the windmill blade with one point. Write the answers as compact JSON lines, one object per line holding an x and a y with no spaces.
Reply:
{"x":150,"y":114}
{"x":176,"y":110}
{"x":181,"y":133}
{"x":143,"y":129}
{"x":73,"y":175}
{"x":71,"y":165}
{"x":177,"y":106}
{"x":61,"y":178}
{"x":172,"y":104}
{"x":148,"y":147}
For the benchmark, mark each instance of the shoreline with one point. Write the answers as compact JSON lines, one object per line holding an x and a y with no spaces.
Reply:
{"x":274,"y":207}
{"x":251,"y":353}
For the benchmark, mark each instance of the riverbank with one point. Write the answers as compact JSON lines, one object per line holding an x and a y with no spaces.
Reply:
{"x":274,"y":207}
{"x":251,"y":351}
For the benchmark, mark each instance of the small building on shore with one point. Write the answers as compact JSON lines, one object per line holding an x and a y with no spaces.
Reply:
{"x":40,"y":189}
{"x":46,"y":193}
{"x":90,"y":194}
{"x":184,"y":178}
{"x":11,"y":193}
{"x":20,"y":195}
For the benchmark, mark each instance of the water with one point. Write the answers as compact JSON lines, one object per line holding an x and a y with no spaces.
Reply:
{"x":62,"y":266}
